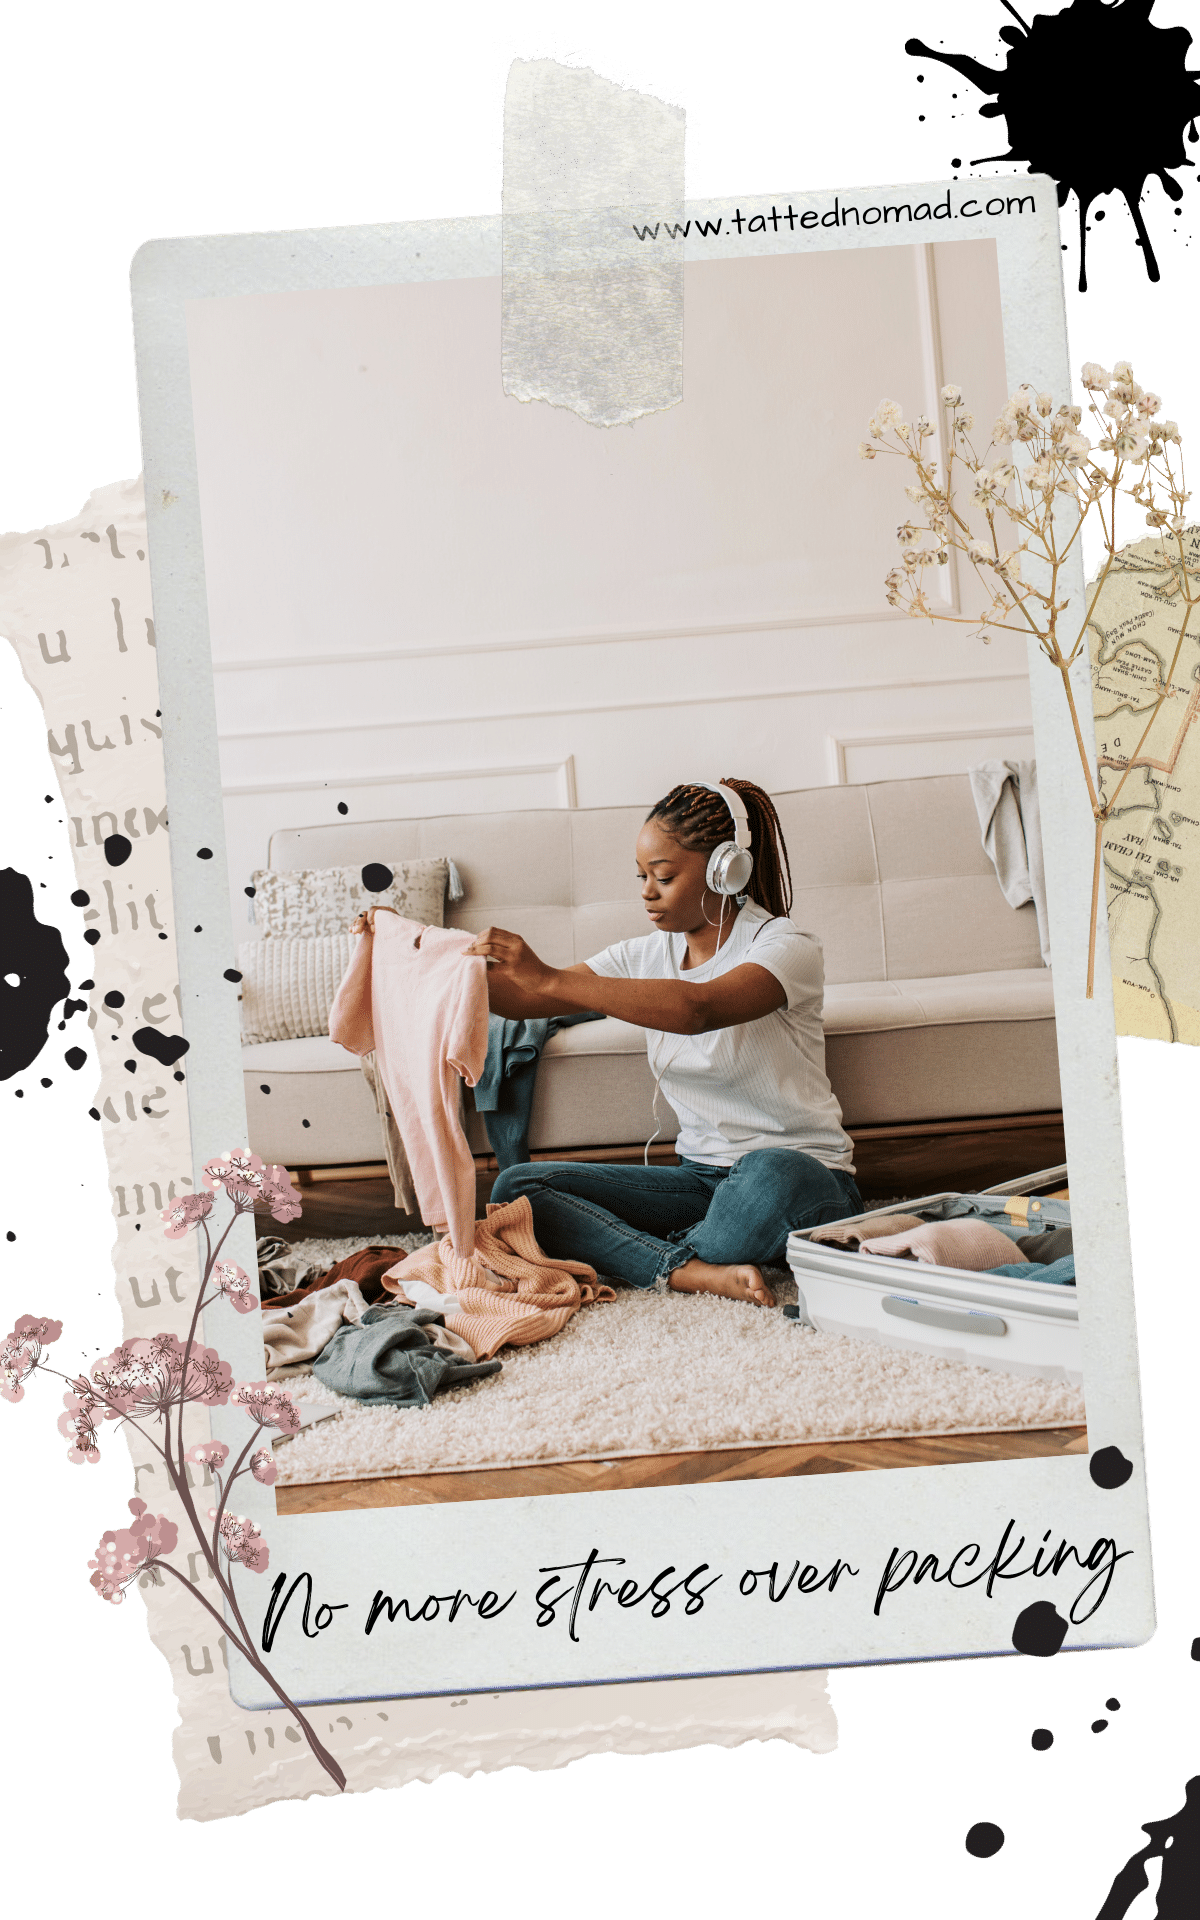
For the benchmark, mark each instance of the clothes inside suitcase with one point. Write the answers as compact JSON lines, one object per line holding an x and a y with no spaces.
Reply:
{"x":1024,"y":1324}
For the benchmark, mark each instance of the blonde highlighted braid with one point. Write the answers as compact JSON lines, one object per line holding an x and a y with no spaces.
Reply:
{"x":700,"y":820}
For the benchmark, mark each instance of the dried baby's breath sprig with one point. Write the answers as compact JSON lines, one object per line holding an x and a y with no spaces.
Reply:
{"x":1031,"y":507}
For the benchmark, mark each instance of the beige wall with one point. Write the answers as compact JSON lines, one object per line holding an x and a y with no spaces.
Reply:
{"x":425,"y":597}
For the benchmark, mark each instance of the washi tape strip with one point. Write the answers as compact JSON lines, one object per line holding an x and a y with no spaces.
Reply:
{"x":593,"y":273}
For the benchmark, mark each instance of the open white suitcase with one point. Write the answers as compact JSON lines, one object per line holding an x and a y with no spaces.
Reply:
{"x":1017,"y":1326}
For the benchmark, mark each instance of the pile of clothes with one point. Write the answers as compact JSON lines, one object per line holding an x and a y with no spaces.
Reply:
{"x":397,"y":1328}
{"x":1019,"y":1237}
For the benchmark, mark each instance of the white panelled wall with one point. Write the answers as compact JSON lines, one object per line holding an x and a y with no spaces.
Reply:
{"x":427,"y":598}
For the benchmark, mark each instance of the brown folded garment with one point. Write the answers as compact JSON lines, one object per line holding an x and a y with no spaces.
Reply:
{"x":973,"y":1244}
{"x":1053,"y":1243}
{"x":366,"y":1268}
{"x":853,"y":1233}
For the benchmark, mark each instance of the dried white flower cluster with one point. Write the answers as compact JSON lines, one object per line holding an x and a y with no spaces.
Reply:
{"x":1063,"y":464}
{"x":1033,"y":507}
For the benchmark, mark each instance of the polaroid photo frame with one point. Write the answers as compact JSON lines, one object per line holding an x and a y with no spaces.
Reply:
{"x":377,"y":599}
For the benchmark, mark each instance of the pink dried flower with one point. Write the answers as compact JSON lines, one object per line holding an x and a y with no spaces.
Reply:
{"x":239,"y":1174}
{"x":280,"y":1195}
{"x":147,"y":1376}
{"x":270,"y":1406}
{"x":186,"y":1212}
{"x":124,"y":1551}
{"x":209,"y":1453}
{"x":263,"y":1467}
{"x":78,"y":1424}
{"x":243,"y":1542}
{"x":234,"y":1285}
{"x":22,"y":1350}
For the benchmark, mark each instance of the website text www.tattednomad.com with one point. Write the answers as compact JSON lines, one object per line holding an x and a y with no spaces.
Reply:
{"x":837,"y":216}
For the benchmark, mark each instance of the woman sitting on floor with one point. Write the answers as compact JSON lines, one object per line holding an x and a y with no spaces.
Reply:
{"x":730,"y":993}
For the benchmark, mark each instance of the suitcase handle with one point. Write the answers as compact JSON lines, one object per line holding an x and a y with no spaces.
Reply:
{"x":945,"y":1317}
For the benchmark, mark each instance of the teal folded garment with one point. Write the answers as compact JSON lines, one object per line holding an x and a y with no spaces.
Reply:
{"x":390,"y":1360}
{"x":1059,"y":1273}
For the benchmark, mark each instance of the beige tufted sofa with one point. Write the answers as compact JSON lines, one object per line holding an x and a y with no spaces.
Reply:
{"x":938,"y":1007}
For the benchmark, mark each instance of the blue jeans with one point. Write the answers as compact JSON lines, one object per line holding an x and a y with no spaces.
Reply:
{"x":638,"y":1224}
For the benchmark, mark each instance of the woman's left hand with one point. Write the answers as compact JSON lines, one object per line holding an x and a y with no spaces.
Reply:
{"x":510,"y":959}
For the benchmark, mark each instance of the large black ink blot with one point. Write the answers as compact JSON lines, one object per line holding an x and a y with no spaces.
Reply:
{"x":1176,"y":1842}
{"x":33,"y":975}
{"x":1109,"y":1468}
{"x":377,"y":878}
{"x":1080,"y":54}
{"x":1040,"y":1630}
{"x":166,"y":1048}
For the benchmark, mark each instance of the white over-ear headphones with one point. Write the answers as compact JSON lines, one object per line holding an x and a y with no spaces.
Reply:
{"x":731,"y":864}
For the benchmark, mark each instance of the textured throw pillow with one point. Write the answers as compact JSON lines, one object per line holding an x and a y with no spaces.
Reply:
{"x":288,"y":984}
{"x":327,"y":900}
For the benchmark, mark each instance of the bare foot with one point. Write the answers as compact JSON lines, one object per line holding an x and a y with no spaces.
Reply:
{"x":735,"y":1283}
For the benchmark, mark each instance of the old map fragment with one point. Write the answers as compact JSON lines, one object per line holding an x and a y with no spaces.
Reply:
{"x":1149,"y":771}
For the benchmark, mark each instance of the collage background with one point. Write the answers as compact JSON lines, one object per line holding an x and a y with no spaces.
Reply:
{"x":271,"y":118}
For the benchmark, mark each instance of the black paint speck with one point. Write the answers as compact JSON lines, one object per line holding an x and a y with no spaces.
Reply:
{"x":162,"y":936}
{"x":114,"y":998}
{"x":20,"y":1093}
{"x":87,"y":986}
{"x":204,"y":853}
{"x":131,"y":1066}
{"x":250,"y":892}
{"x":197,"y":929}
{"x":75,"y":1058}
{"x":984,"y":1839}
{"x":376,"y":878}
{"x":1041,"y":1739}
{"x":117,"y":849}
{"x":1114,"y":1706}
{"x":47,"y":1083}
{"x":10,"y":1236}
{"x":1109,"y":1468}
{"x":304,"y":1123}
{"x":80,"y":899}
{"x":1039,"y":1630}
{"x":231,"y":973}
{"x":166,"y":1048}
{"x":1098,"y":1726}
{"x":35,"y":956}
{"x":91,"y":936}
{"x":93,"y":1113}
{"x":177,"y":1076}
{"x":264,"y":1088}
{"x":342,"y":807}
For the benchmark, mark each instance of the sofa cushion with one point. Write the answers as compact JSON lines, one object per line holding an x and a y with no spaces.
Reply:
{"x":326,"y":900}
{"x":289,"y":983}
{"x":876,"y":1006}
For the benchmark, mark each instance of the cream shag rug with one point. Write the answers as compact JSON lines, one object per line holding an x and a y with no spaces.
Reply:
{"x":665,"y":1373}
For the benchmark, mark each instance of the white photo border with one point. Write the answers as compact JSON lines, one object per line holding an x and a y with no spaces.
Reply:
{"x":506,"y":1547}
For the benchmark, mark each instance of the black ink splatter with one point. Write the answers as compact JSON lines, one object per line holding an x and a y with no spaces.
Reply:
{"x":131,"y":1066}
{"x":985,"y":1839}
{"x":75,"y":1058}
{"x":92,"y":936}
{"x":250,"y":892}
{"x":376,"y":878}
{"x":1114,"y":1706}
{"x":342,"y":807}
{"x":231,"y":973}
{"x":117,"y":849}
{"x":79,"y":898}
{"x":1176,"y":1842}
{"x":1083,"y":49}
{"x":1109,"y":1468}
{"x":1040,"y":1630}
{"x":1042,"y":1738}
{"x":33,"y":975}
{"x":264,"y":1088}
{"x":166,"y":1048}
{"x":114,"y":998}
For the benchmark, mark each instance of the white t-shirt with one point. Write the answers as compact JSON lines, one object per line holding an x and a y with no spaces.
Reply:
{"x":762,"y":1084}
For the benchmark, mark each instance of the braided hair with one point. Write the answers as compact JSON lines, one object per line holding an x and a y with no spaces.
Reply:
{"x":700,"y":820}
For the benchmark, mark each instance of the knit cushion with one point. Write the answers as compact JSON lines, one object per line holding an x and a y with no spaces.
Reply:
{"x":288,"y":984}
{"x":326,"y":900}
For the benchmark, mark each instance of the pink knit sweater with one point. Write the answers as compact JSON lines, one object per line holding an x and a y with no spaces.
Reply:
{"x":412,"y":997}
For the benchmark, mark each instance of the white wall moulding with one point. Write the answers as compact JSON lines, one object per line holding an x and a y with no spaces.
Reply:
{"x":898,"y":755}
{"x":561,"y":771}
